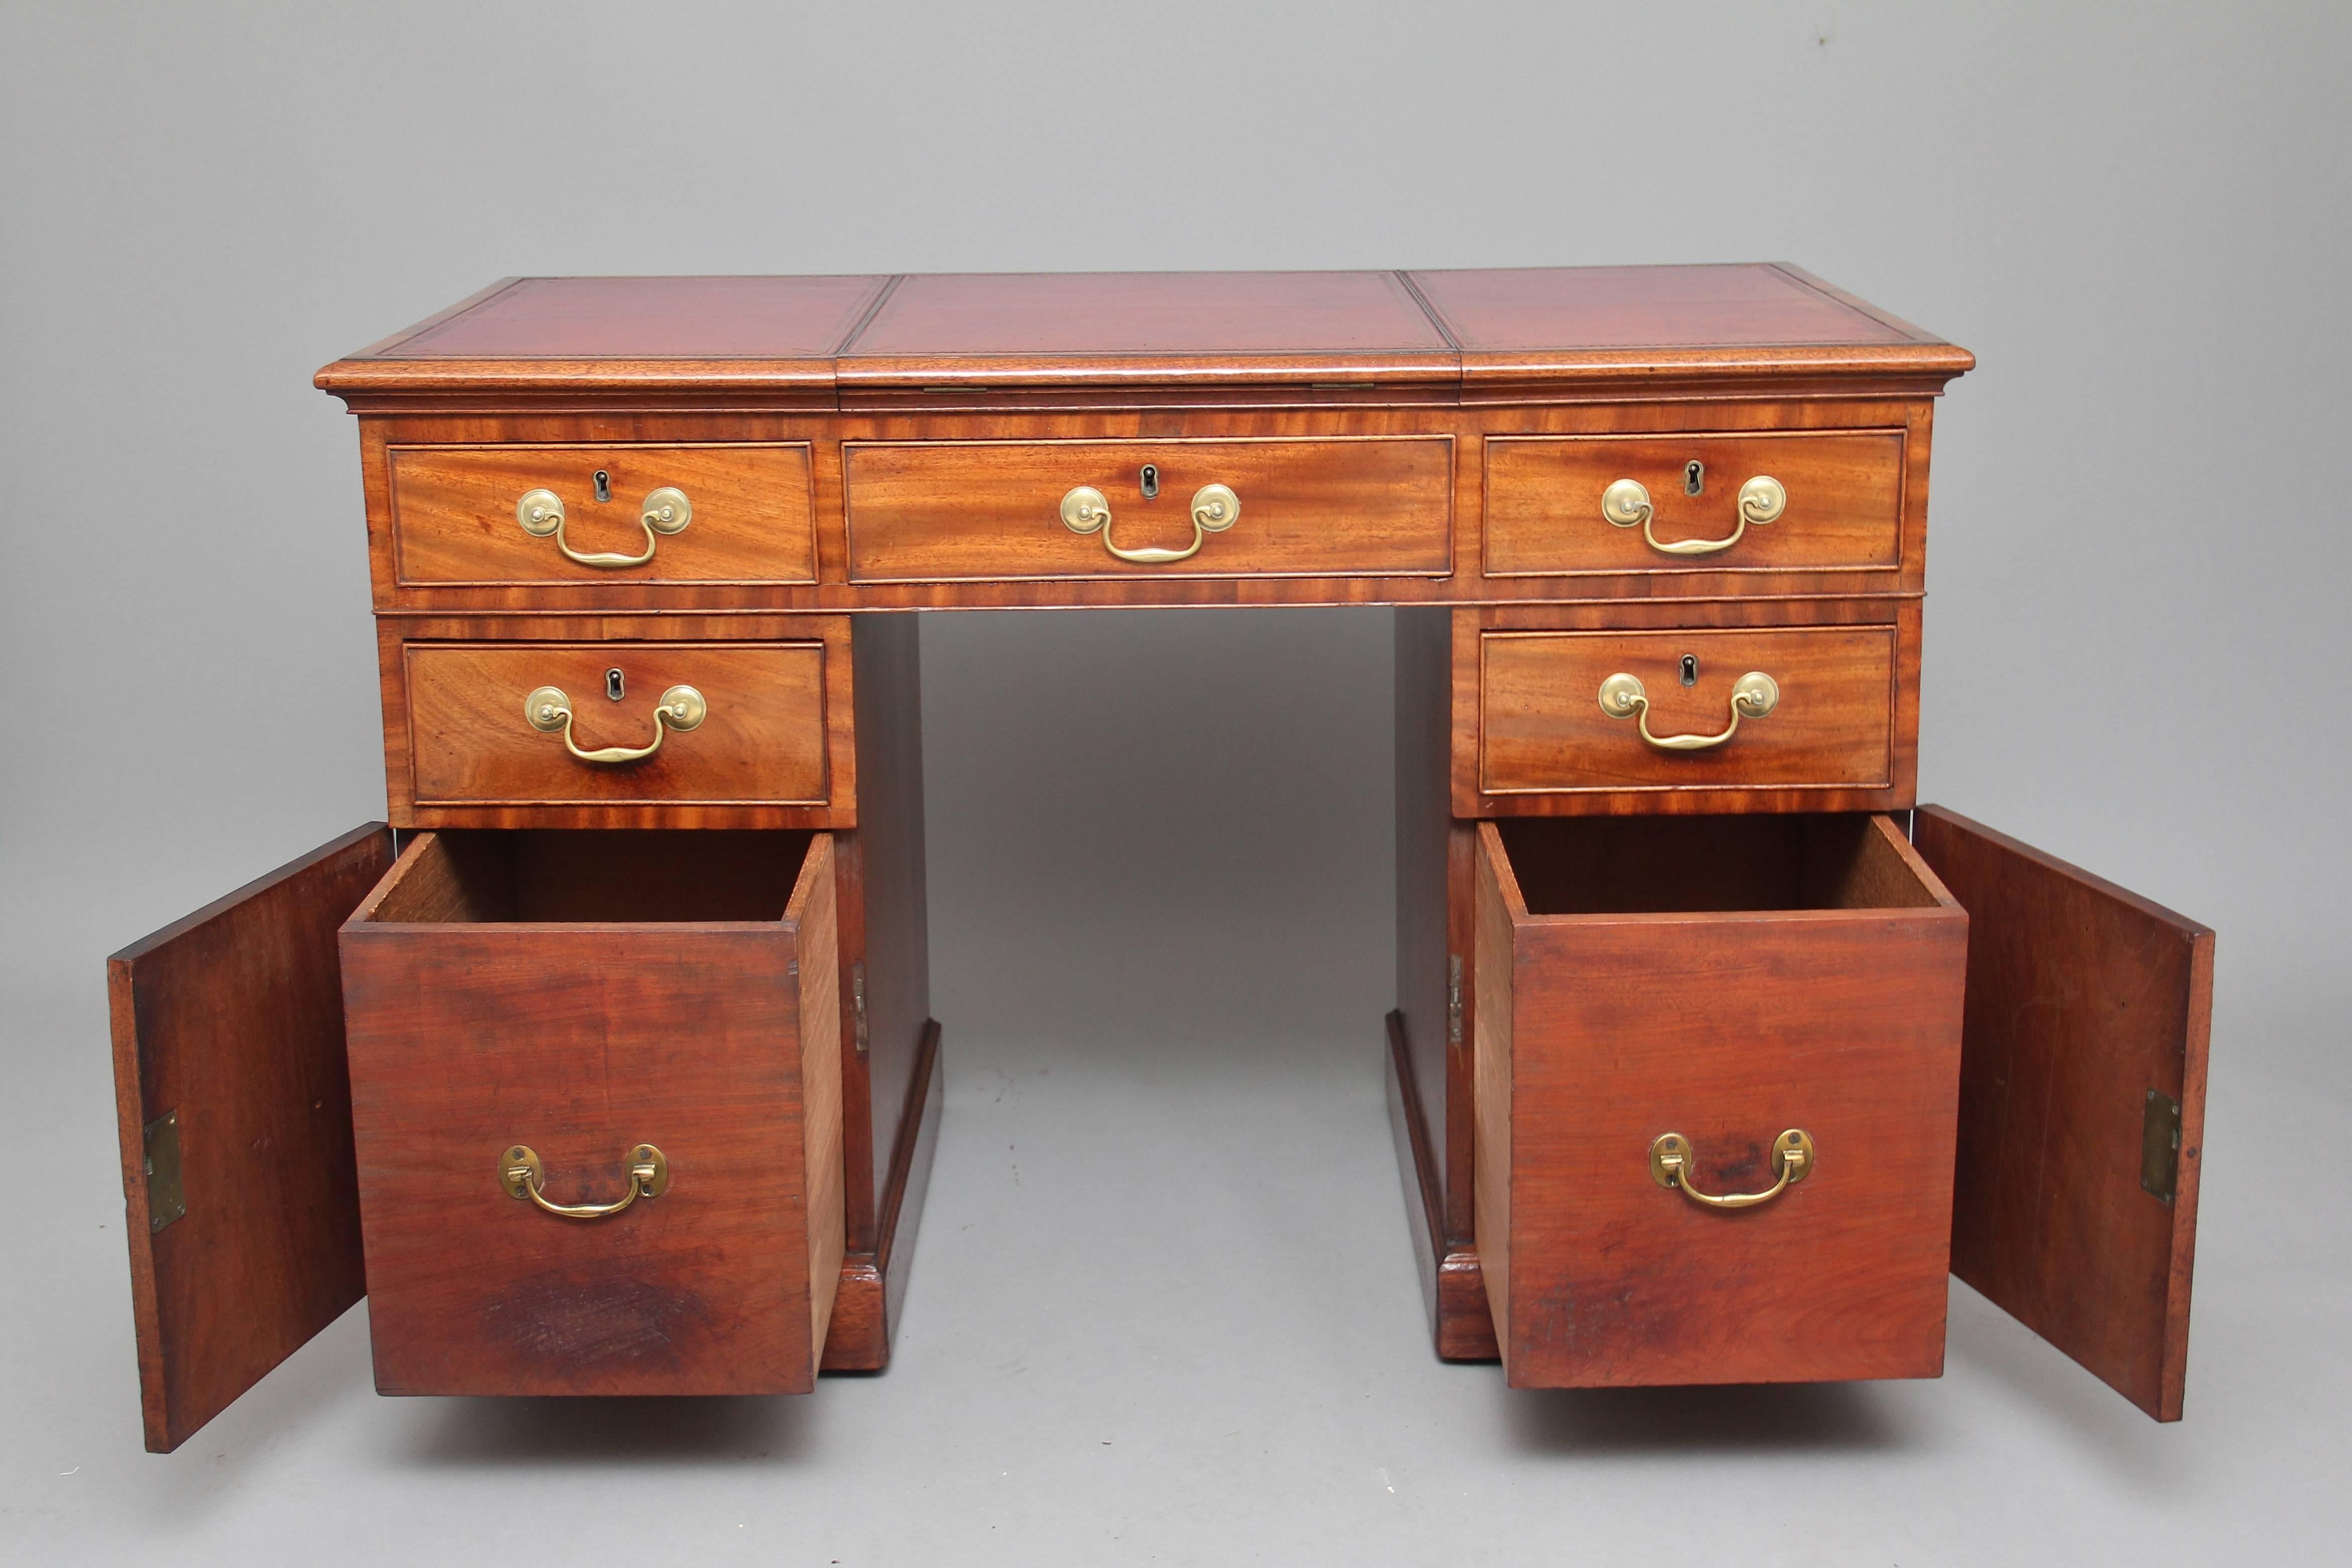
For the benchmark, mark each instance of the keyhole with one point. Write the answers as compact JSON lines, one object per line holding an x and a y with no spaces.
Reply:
{"x":1150,"y":477}
{"x":614,"y":686}
{"x":604,"y":485}
{"x":1690,"y":669}
{"x":1694,"y":477}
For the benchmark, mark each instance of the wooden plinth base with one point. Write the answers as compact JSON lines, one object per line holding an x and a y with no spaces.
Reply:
{"x":874,"y":1284}
{"x":1452,"y":1287}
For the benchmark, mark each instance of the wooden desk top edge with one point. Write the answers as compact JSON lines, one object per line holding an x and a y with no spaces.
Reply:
{"x":814,"y":337}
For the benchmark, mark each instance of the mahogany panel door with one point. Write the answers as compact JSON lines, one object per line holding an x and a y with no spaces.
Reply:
{"x":2082,"y":1105}
{"x":234,"y":1107}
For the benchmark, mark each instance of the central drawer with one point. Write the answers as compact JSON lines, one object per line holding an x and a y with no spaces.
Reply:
{"x":596,"y":1099}
{"x":942,"y":511}
{"x":1665,"y":1006}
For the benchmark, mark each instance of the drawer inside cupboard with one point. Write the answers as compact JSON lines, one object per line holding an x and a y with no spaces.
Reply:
{"x":596,"y":1103}
{"x":1717,"y":1068}
{"x":566,"y":723}
{"x":1785,"y":501}
{"x":576,"y":515}
{"x":957,"y":510}
{"x":1810,"y":706}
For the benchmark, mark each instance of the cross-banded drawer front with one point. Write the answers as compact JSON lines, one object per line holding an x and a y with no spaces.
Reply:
{"x":954,"y":511}
{"x":589,"y":515}
{"x":587,"y":724}
{"x":1781,"y":707}
{"x":1793,"y":501}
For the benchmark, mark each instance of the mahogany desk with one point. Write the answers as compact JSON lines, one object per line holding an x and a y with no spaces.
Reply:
{"x":608,"y":1065}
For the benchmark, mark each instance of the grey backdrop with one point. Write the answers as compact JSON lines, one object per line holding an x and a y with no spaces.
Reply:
{"x":1163,"y":1308}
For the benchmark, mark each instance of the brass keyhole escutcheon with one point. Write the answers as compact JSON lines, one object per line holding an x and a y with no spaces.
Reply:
{"x":1149,"y":481}
{"x":1694,"y":478}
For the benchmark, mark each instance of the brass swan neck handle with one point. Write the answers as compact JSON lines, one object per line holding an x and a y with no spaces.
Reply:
{"x":1753,"y":695}
{"x":1792,"y":1162}
{"x":1215,"y":508}
{"x":523,"y":1177}
{"x":680,"y":708}
{"x":1627,"y":503}
{"x":664,"y":511}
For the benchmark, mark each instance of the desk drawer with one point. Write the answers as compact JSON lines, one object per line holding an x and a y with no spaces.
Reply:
{"x":1726,"y":979}
{"x":952,"y":511}
{"x":681,"y":514}
{"x":587,"y":997}
{"x":486,"y":727}
{"x":1792,"y":501}
{"x":1645,"y":714}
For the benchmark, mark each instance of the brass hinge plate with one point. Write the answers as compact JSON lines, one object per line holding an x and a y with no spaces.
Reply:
{"x":2159,"y":1147}
{"x":857,"y":1001}
{"x":167,"y":1200}
{"x":1454,"y":998}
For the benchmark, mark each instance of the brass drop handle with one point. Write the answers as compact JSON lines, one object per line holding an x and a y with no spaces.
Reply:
{"x":1214,"y":509}
{"x":1753,"y":695}
{"x":1626,"y":503}
{"x":665,"y":511}
{"x":681,"y":708}
{"x":521,"y":1173}
{"x":1792,"y":1162}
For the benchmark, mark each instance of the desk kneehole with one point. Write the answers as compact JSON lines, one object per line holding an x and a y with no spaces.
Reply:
{"x":596,"y":1102}
{"x":1716,"y":1087}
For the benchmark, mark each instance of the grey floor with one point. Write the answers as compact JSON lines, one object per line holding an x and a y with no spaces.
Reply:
{"x":1163,"y":1307}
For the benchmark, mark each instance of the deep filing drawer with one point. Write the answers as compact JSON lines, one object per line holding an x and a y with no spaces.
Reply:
{"x":602,"y":724}
{"x":1667,"y":1006}
{"x":573,"y":516}
{"x":596,"y":1099}
{"x":1810,"y":501}
{"x":1645,"y":715}
{"x":950,"y":511}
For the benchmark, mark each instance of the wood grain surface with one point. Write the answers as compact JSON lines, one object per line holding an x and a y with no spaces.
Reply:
{"x":699,"y":1026}
{"x":454,"y":525}
{"x":1845,"y":511}
{"x":763,"y":742}
{"x":942,"y":511}
{"x":1603,"y":1026}
{"x":1542,"y":727}
{"x":2082,"y":1000}
{"x":231,"y":1023}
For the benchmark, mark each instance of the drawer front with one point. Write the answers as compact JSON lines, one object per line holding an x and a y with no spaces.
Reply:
{"x":1542,"y":726}
{"x":473,"y":740}
{"x":715,"y":1043}
{"x":1598,"y":1035}
{"x":952,"y":511}
{"x":748,"y":517}
{"x":1821,"y":502}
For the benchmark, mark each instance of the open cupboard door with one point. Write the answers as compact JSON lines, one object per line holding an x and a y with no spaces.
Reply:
{"x":2082,"y":1105}
{"x":234,"y":1103}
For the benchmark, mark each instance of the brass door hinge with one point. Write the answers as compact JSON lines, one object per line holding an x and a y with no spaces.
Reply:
{"x":167,"y":1200}
{"x":857,"y":1001}
{"x":2159,"y":1147}
{"x":1454,"y":998}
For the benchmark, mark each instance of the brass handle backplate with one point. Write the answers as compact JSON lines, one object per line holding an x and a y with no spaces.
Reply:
{"x":1215,"y":508}
{"x":1627,"y":503}
{"x":1792,"y":1162}
{"x":521,"y":1173}
{"x":1753,"y":695}
{"x":665,"y":511}
{"x":681,"y":708}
